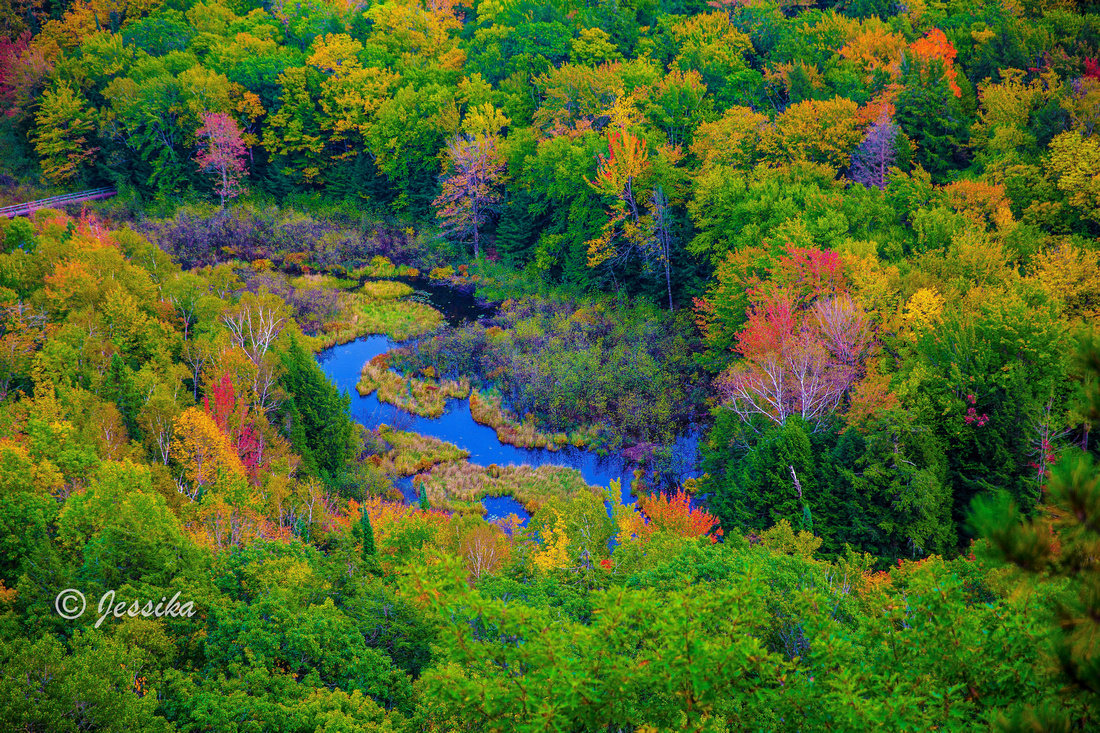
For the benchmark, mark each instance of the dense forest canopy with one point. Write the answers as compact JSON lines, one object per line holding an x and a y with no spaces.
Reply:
{"x":854,"y":247}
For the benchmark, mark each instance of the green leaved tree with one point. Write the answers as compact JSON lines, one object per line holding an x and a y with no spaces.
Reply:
{"x":1060,"y":546}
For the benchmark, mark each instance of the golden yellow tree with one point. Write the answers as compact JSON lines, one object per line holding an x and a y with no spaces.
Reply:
{"x":203,"y":451}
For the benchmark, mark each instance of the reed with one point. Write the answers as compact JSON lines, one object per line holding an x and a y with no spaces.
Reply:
{"x":318,"y":280}
{"x":460,"y":487}
{"x":413,"y":453}
{"x":487,"y":409}
{"x":386,"y":290}
{"x":361,"y":315}
{"x":398,"y":319}
{"x":424,"y":397}
{"x":383,"y":267}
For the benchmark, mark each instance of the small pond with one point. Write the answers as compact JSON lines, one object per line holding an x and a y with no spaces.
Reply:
{"x":343,"y":363}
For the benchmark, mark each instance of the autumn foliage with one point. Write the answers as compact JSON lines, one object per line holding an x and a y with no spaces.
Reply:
{"x":222,"y":152}
{"x":673,"y":513}
{"x":935,"y":46}
{"x":803,"y":344}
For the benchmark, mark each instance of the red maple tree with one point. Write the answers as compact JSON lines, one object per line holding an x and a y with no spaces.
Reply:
{"x":803,"y":345}
{"x":222,"y":152}
{"x":673,"y":513}
{"x":233,"y":417}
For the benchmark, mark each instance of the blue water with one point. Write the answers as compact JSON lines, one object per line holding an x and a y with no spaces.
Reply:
{"x":342,"y":365}
{"x":499,"y":507}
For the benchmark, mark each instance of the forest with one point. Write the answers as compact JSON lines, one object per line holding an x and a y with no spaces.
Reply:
{"x":573,"y":365}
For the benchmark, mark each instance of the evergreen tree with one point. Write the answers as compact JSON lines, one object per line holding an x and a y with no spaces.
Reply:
{"x":424,"y":505}
{"x":902,"y":495}
{"x":930,"y":114}
{"x":1060,"y":543}
{"x":316,"y":416}
{"x":119,"y":388}
{"x":777,"y":481}
{"x":517,"y":230}
{"x":366,"y":532}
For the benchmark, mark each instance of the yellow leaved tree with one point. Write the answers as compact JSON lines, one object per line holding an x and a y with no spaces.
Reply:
{"x":204,"y":452}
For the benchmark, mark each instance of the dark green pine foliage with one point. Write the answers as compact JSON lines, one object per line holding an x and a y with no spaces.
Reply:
{"x":424,"y":504}
{"x":1060,"y":544}
{"x":765,"y":491}
{"x":801,"y":88}
{"x":518,"y":230}
{"x":995,"y":373}
{"x":930,"y":114}
{"x":316,"y":416}
{"x":366,"y":534}
{"x":902,"y":501}
{"x":118,"y":387}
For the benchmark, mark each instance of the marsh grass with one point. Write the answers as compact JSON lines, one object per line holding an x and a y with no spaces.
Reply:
{"x":486,"y":409}
{"x":424,"y":397}
{"x":382,"y":267}
{"x":413,"y":453}
{"x":398,"y":319}
{"x":386,"y":290}
{"x":460,"y":487}
{"x":316,"y":280}
{"x":379,"y":310}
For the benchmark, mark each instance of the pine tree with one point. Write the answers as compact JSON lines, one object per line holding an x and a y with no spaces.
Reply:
{"x":366,"y":532}
{"x":316,"y":417}
{"x":424,"y":505}
{"x":119,"y":388}
{"x":518,"y":229}
{"x":1060,"y":543}
{"x":928,"y":112}
{"x":778,"y":480}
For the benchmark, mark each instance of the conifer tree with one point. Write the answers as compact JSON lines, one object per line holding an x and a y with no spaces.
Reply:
{"x":119,"y":388}
{"x":1060,"y":544}
{"x":316,"y":416}
{"x":367,"y":533}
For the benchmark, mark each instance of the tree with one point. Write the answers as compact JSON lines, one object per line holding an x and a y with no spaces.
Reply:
{"x":97,"y":684}
{"x":232,"y":416}
{"x":470,"y":193}
{"x":1059,"y":544}
{"x":673,"y":513}
{"x":23,"y":331}
{"x":639,"y":221}
{"x":873,"y":158}
{"x":254,"y":324}
{"x":935,"y":45}
{"x":315,"y":415}
{"x":1075,"y":163}
{"x":796,"y":361}
{"x":222,"y":152}
{"x":929,"y":113}
{"x":63,"y":122}
{"x":820,"y":131}
{"x":204,"y":451}
{"x":366,"y":534}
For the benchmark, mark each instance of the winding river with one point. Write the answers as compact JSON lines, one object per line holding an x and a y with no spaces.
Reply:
{"x":343,"y":363}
